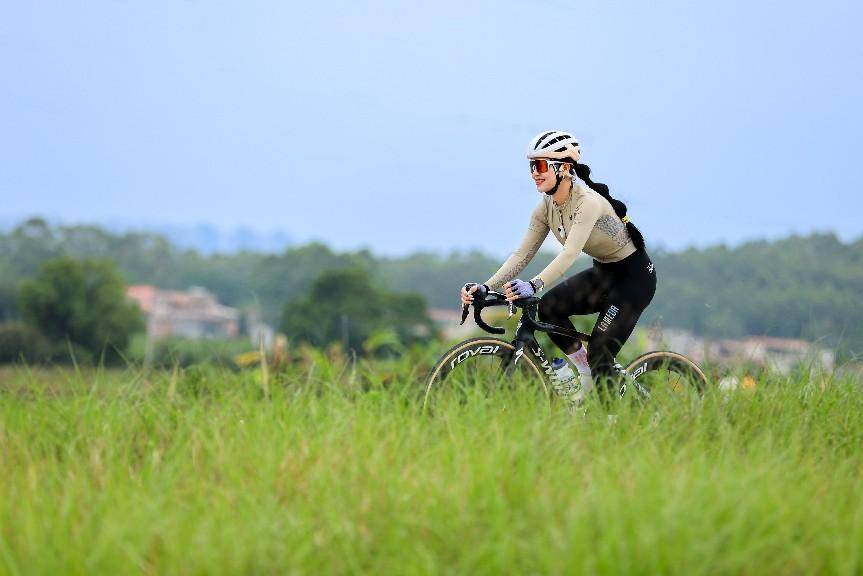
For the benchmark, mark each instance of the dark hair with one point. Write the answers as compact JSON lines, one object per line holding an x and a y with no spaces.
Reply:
{"x":583,"y":172}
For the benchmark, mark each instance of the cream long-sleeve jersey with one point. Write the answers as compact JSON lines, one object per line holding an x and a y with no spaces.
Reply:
{"x":586,"y":221}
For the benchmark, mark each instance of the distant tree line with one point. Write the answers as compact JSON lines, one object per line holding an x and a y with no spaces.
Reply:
{"x":798,"y":287}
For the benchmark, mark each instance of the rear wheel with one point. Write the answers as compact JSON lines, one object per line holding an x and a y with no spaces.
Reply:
{"x":482,"y":367}
{"x":668,"y":376}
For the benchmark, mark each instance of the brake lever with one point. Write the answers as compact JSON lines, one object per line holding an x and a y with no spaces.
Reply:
{"x":464,"y":312}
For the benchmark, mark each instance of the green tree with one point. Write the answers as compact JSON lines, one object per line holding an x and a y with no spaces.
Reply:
{"x":345,"y":305}
{"x":8,"y":300}
{"x":83,"y":302}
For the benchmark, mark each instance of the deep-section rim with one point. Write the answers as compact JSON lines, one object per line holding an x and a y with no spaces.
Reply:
{"x":668,"y":354}
{"x":459,"y":347}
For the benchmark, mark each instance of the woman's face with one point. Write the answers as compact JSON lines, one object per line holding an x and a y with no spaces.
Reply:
{"x":546,"y":181}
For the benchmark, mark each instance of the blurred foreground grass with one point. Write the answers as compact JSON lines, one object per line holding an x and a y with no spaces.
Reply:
{"x":330,"y":468}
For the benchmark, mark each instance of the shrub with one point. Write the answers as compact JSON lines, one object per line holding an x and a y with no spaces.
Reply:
{"x":19,"y":342}
{"x":184,"y":352}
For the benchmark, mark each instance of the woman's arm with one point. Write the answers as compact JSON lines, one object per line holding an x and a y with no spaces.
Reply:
{"x":537,"y":231}
{"x":585,"y":219}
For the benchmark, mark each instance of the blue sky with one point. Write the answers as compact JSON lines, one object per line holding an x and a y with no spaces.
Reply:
{"x":379,"y":124}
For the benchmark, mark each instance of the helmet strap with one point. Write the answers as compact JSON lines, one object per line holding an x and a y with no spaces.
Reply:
{"x":557,"y":181}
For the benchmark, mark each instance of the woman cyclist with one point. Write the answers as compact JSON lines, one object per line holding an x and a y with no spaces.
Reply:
{"x":618,"y":286}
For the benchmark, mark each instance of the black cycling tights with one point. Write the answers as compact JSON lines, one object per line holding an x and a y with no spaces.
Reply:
{"x":619,"y":291}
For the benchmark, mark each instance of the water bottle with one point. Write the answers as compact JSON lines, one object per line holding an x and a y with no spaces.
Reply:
{"x":564,"y":378}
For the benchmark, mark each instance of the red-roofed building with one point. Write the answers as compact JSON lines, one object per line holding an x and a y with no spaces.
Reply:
{"x":193,"y":314}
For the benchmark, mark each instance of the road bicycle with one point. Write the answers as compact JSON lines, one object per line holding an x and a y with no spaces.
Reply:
{"x":486,"y":364}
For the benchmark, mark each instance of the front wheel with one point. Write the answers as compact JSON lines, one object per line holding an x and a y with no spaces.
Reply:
{"x":480,"y":366}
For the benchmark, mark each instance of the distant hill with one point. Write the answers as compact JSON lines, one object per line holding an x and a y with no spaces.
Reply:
{"x":208,"y":239}
{"x":799,"y":287}
{"x":204,"y":238}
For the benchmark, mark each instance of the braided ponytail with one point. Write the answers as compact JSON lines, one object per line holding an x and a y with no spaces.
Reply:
{"x":583,"y":172}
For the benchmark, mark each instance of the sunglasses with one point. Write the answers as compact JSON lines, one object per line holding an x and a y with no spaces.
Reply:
{"x":541,"y":166}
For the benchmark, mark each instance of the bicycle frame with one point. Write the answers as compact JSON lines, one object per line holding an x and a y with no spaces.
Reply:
{"x":528,"y":326}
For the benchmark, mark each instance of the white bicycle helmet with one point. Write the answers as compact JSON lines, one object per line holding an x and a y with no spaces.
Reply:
{"x":555,"y":145}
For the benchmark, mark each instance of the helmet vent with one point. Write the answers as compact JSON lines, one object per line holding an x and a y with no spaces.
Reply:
{"x":554,"y":141}
{"x":541,"y":138}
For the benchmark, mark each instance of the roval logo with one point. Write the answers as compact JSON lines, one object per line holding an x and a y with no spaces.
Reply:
{"x":487,"y":349}
{"x":640,"y":370}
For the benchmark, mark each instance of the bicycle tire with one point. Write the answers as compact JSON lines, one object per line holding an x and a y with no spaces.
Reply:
{"x":665,"y":360}
{"x":484,"y":347}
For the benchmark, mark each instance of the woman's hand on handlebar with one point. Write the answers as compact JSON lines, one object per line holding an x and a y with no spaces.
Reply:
{"x":517,"y":288}
{"x":471,"y":289}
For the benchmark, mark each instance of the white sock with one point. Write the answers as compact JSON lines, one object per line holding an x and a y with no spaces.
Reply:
{"x":579,"y":358}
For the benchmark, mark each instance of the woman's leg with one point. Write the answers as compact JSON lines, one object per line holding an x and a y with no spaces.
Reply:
{"x":577,"y":295}
{"x":613,"y":327}
{"x":617,"y":319}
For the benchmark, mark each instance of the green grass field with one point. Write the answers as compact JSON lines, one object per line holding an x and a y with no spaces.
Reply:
{"x":330,"y":468}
